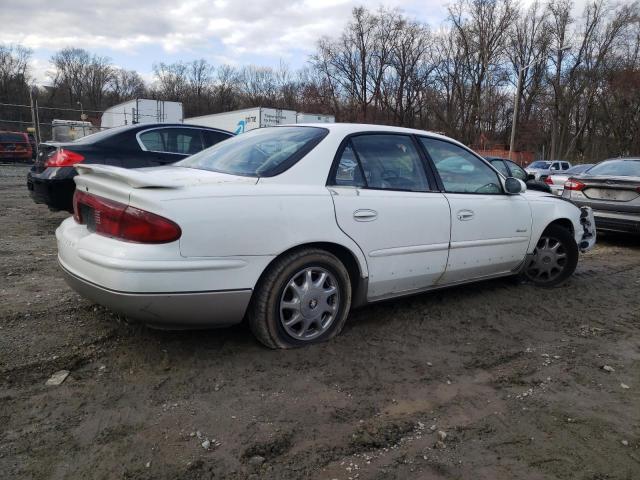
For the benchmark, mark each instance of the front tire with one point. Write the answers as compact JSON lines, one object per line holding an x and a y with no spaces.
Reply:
{"x":303,"y":298}
{"x":554,"y":259}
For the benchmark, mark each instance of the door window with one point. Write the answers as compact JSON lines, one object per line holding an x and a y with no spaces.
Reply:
{"x":185,"y":141}
{"x":211,"y":138}
{"x":555,"y":166}
{"x":349,"y":172}
{"x":517,"y":171}
{"x":501,"y":167}
{"x":565,"y":166}
{"x":387,"y":162}
{"x":461,"y":171}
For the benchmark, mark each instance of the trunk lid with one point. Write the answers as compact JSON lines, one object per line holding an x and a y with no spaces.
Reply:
{"x":161,"y":177}
{"x":611,"y":189}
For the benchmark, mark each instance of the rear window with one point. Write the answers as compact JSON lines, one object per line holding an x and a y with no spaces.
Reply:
{"x":13,"y":137}
{"x":580,"y":168}
{"x":263,"y":152}
{"x":542,"y":165}
{"x":617,"y":168}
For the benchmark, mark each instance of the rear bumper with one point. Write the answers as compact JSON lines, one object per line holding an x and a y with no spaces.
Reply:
{"x":154,"y":284}
{"x":170,"y":310}
{"x":56,"y":192}
{"x":617,"y":222}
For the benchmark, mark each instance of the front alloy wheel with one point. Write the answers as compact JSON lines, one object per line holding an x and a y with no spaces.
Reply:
{"x":554,"y":258}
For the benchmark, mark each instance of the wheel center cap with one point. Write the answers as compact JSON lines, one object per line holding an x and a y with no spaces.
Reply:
{"x":546,"y":259}
{"x":313,"y":303}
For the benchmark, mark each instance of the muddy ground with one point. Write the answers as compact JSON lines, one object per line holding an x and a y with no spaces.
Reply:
{"x":510,"y":372}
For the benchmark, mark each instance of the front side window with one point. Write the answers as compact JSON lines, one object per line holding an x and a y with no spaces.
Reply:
{"x":461,"y":171}
{"x":517,"y":171}
{"x":555,"y":166}
{"x":390,"y":162}
{"x":263,"y":152}
{"x":500,"y":166}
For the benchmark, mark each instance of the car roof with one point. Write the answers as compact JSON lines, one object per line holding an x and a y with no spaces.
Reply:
{"x":353,"y":128}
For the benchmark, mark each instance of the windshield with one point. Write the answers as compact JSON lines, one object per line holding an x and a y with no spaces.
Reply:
{"x":540,"y":164}
{"x":579,"y":168}
{"x":617,"y":168}
{"x":263,"y":152}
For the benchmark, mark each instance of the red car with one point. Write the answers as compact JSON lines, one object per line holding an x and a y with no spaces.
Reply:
{"x":15,"y":146}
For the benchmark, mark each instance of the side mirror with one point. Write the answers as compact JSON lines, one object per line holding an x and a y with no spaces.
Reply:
{"x":513,"y":186}
{"x":530,"y":176}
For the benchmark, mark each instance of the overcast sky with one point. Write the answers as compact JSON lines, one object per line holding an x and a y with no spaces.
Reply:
{"x":137,"y":33}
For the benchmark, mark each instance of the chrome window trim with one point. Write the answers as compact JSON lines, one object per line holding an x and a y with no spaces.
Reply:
{"x":198,"y":129}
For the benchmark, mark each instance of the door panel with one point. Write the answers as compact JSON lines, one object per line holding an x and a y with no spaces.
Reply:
{"x":490,"y":230}
{"x":494,"y":239}
{"x":404,"y":235}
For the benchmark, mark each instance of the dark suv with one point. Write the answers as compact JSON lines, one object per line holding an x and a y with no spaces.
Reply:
{"x":51,"y":179}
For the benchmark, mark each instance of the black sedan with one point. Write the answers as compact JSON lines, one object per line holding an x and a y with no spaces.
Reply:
{"x":612,"y":189}
{"x":512,"y":169}
{"x":50,"y":180}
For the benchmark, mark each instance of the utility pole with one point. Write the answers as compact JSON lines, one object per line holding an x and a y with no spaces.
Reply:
{"x":34,"y":116}
{"x":516,"y":107}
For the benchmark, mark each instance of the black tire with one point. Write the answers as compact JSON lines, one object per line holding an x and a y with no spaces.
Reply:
{"x":264,"y":314}
{"x":568,"y":247}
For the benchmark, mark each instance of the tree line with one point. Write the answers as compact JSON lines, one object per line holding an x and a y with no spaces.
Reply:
{"x":580,"y":72}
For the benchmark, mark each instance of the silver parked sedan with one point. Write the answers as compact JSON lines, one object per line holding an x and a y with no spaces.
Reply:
{"x":612,"y":190}
{"x":556,"y":180}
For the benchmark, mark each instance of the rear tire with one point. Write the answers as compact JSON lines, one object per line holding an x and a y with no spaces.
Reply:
{"x":302,"y":299}
{"x":555,"y":258}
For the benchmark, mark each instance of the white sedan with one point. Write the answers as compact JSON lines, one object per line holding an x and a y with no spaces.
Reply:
{"x":292,"y":226}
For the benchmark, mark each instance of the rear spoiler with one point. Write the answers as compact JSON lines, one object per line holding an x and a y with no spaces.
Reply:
{"x":132,"y":177}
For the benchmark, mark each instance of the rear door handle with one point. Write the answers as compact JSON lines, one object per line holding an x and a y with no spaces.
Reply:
{"x":365,"y":215}
{"x":464,"y":215}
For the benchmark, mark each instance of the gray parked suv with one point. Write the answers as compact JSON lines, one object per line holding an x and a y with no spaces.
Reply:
{"x":541,"y":169}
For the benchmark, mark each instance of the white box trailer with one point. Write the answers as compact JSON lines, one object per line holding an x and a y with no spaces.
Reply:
{"x":142,"y":110}
{"x":314,"y":118}
{"x":239,"y":121}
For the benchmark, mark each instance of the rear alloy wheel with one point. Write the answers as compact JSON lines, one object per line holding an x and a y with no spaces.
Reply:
{"x":303,"y":298}
{"x":554,"y":258}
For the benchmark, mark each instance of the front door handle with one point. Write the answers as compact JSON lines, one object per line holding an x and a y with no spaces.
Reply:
{"x":365,"y":215}
{"x":464,"y":215}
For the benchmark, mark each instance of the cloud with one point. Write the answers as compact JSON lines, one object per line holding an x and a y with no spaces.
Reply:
{"x":236,"y":28}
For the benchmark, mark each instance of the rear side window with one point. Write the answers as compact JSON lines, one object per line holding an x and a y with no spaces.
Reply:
{"x":386,"y":162}
{"x":184,"y":141}
{"x":210,"y":137}
{"x":12,"y":137}
{"x":565,"y":166}
{"x":349,"y":172}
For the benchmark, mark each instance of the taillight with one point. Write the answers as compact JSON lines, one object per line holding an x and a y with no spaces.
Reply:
{"x":117,"y":220}
{"x":572,"y":184}
{"x":548,"y":181}
{"x":63,"y":158}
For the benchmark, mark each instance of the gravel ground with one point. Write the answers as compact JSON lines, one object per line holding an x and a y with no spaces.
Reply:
{"x":512,"y":374}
